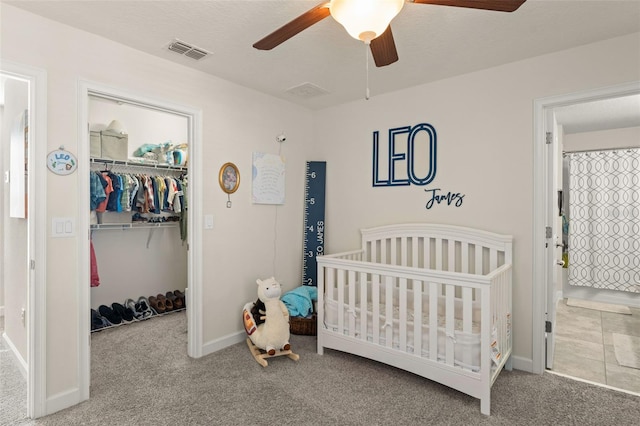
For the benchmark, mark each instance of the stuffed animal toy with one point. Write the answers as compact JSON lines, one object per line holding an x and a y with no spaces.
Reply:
{"x":273,"y":334}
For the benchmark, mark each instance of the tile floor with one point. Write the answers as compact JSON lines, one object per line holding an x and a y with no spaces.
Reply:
{"x":584,"y":345}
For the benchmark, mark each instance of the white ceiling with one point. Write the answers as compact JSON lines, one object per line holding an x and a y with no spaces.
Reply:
{"x":433,"y":42}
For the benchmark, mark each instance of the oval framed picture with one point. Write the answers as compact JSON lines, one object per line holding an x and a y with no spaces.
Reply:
{"x":229,"y":178}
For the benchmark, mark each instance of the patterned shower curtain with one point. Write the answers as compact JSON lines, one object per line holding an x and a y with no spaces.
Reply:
{"x":604,"y":222}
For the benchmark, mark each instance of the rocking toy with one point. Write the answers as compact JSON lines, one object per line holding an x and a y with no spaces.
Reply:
{"x":272,"y":336}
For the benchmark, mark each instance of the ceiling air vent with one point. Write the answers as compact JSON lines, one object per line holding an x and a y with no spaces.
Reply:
{"x":307,"y":90}
{"x":187,"y":50}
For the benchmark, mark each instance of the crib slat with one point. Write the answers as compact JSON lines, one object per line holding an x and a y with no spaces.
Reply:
{"x":403,"y":313}
{"x":364,"y":310}
{"x":341,"y":307}
{"x":383,"y":251}
{"x":434,"y":291}
{"x":478,"y":270}
{"x":464,"y":257}
{"x":426,"y":244}
{"x":351,"y":285}
{"x":404,"y":251}
{"x":450,"y":323}
{"x":388,"y":303}
{"x":417,"y":318}
{"x":414,"y":252}
{"x":451,"y":245}
{"x":393,"y":242}
{"x":375,"y":288}
{"x":467,"y":318}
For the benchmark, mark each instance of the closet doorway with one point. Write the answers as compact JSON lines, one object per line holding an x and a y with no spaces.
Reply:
{"x":139,"y":248}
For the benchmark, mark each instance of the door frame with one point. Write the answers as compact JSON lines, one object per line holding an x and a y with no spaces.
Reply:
{"x":540,"y":164}
{"x":36,"y":221}
{"x":194,"y":219}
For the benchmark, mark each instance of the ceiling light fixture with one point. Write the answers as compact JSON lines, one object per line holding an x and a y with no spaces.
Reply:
{"x":365,"y":19}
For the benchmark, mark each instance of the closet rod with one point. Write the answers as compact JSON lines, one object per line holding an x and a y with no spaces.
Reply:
{"x":137,"y":164}
{"x":622,"y":148}
{"x":121,"y":100}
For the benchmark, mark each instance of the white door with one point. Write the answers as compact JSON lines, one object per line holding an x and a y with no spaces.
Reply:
{"x":554,"y":230}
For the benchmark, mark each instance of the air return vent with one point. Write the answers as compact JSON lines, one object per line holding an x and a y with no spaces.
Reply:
{"x":188,"y":50}
{"x":307,"y":90}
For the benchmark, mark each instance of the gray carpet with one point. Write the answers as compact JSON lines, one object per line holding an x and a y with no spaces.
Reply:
{"x":141,"y":375}
{"x":13,"y":386}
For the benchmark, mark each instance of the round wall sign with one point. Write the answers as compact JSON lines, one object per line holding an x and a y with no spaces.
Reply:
{"x":62,"y":162}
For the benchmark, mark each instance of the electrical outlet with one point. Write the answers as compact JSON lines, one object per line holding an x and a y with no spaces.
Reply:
{"x":23,"y":311}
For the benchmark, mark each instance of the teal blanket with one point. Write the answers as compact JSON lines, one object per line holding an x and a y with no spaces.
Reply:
{"x":299,"y":301}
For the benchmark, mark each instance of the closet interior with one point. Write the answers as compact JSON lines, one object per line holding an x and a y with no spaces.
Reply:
{"x":138,"y":211}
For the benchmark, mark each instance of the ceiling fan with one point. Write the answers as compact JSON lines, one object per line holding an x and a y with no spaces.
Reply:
{"x":368,"y":20}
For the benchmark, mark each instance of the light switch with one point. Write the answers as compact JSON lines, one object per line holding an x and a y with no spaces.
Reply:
{"x":62,"y":227}
{"x":208,"y":221}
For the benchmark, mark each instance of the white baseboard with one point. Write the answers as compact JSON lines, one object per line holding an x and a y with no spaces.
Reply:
{"x":63,"y":400}
{"x":523,"y":364}
{"x":223,"y":342}
{"x":20,"y":362}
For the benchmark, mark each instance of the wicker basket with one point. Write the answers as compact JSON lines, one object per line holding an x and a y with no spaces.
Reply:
{"x":305,"y":326}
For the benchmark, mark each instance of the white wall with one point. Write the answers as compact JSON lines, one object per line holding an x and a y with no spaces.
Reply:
{"x":484,"y":125}
{"x":14,"y":232}
{"x":603,"y":139}
{"x":236,"y":122}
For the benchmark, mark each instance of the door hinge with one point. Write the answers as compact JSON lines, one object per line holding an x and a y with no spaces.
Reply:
{"x":549,"y":138}
{"x":548,"y":327}
{"x":548,"y":232}
{"x":32,"y":264}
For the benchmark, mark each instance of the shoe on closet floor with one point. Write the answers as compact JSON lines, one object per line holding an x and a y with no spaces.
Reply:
{"x":180,"y":295}
{"x":175,"y":300}
{"x":98,"y":321}
{"x":143,"y":306}
{"x":157,"y":305}
{"x":113,"y":317}
{"x":125,"y":313}
{"x":168,"y":304}
{"x":131,"y":305}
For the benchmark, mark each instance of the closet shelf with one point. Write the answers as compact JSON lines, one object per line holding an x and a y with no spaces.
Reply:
{"x":137,"y":164}
{"x":144,"y":225}
{"x":123,"y":226}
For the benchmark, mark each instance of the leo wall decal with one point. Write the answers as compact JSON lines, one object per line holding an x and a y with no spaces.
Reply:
{"x":402,"y":159}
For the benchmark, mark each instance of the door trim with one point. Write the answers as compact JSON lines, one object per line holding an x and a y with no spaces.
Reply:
{"x":540,"y":108}
{"x":36,"y":217}
{"x":194,"y":212}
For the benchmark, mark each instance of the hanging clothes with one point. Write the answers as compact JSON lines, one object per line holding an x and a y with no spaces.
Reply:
{"x":95,"y":278}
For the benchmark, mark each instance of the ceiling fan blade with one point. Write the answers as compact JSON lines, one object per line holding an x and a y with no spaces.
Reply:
{"x":498,"y":5}
{"x":383,"y":49}
{"x":292,"y":28}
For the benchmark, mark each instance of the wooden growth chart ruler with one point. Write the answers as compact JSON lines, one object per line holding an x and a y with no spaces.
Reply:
{"x":313,"y":244}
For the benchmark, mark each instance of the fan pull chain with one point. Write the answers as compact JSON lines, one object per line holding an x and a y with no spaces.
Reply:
{"x":366,"y":54}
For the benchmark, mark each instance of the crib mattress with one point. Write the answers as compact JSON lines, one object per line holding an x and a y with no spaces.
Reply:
{"x":466,"y":345}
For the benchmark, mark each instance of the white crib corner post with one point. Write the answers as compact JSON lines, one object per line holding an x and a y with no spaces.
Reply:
{"x":320,"y":308}
{"x":485,"y":403}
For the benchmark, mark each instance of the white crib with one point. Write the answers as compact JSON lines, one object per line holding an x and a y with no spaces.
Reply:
{"x":431,"y":299}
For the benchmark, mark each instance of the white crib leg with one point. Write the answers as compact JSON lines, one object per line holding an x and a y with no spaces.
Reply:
{"x":320,"y":347}
{"x":485,"y":405}
{"x":509,"y":364}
